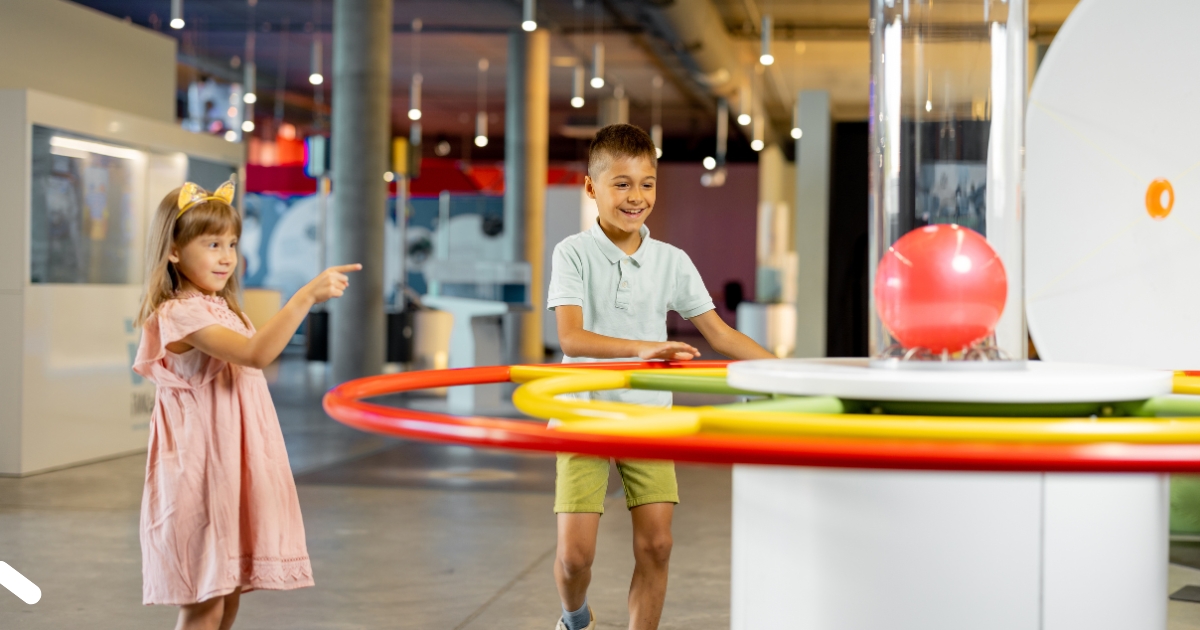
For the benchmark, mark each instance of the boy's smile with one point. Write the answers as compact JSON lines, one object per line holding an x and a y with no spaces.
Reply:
{"x":624,"y":194}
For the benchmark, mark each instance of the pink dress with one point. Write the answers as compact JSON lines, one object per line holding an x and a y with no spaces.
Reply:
{"x":219,"y":509}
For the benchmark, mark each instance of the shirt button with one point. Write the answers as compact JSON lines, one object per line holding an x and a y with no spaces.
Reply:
{"x":624,"y":285}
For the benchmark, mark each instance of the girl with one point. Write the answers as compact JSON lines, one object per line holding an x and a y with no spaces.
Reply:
{"x":219,"y":511}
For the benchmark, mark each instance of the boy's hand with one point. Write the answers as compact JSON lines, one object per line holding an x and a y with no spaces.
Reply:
{"x":667,"y":351}
{"x":331,"y":283}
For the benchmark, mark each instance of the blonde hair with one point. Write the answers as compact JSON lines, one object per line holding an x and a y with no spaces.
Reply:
{"x":171,"y":230}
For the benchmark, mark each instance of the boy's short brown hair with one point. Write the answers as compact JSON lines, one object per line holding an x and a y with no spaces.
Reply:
{"x":616,"y":142}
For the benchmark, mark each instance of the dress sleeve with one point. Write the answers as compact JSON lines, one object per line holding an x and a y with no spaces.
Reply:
{"x":566,"y":279}
{"x":691,"y":298}
{"x":173,"y":321}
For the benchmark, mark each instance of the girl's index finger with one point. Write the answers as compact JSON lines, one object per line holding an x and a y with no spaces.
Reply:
{"x":348,"y":268}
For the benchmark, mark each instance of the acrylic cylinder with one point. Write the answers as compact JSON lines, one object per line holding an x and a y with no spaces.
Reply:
{"x":948,"y":86}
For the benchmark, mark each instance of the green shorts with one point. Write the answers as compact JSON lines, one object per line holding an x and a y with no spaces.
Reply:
{"x":582,"y":482}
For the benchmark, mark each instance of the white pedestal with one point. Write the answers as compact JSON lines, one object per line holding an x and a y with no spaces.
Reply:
{"x":902,"y":550}
{"x":475,"y":339}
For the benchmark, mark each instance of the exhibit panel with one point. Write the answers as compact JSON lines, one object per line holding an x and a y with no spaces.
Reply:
{"x":87,"y":184}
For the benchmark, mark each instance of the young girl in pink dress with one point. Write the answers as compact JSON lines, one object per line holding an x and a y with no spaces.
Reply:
{"x":220,"y":515}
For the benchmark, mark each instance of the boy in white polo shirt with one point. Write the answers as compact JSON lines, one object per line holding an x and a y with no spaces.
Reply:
{"x":611,"y":288}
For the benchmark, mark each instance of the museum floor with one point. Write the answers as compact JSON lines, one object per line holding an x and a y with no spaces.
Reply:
{"x":401,"y":534}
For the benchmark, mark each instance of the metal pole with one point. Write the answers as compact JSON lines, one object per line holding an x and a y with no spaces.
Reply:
{"x":361,"y":130}
{"x":526,"y":151}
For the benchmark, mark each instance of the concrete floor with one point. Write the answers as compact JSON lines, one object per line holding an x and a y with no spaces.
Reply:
{"x":401,"y":535}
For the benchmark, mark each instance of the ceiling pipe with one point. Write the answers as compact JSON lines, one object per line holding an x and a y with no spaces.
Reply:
{"x":703,"y":44}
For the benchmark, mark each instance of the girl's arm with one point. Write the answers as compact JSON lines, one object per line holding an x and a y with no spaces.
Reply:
{"x":265,"y":346}
{"x":728,"y":341}
{"x":577,"y":342}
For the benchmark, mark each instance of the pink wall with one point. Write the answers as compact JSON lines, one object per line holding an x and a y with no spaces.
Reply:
{"x":715,"y":226}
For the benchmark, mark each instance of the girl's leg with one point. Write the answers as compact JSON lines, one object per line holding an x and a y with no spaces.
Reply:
{"x":203,"y":616}
{"x":232,"y":601}
{"x":652,"y":553}
{"x":573,"y":560}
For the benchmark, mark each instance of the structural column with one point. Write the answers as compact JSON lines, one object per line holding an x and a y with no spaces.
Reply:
{"x":361,"y":131}
{"x":526,"y":151}
{"x":812,"y":222}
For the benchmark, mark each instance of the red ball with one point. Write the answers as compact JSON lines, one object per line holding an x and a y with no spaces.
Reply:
{"x":940,"y":287}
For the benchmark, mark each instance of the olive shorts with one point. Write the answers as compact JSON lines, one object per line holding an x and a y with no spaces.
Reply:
{"x":582,"y":482}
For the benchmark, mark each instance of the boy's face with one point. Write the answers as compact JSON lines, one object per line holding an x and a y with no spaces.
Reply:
{"x":624,"y":193}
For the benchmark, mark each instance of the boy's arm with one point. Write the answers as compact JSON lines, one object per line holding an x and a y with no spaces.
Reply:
{"x":577,"y":342}
{"x":726,"y":340}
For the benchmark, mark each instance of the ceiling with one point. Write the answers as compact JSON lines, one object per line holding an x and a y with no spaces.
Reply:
{"x":819,"y":44}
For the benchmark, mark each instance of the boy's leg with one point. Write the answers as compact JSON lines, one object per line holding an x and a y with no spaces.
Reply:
{"x":651,"y":493}
{"x":652,"y":553}
{"x":573,"y":560}
{"x":579,"y":488}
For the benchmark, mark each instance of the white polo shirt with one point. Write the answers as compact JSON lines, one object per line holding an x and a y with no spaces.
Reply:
{"x":626,"y":296}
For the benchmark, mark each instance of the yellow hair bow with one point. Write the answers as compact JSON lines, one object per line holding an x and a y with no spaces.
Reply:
{"x":191,"y":194}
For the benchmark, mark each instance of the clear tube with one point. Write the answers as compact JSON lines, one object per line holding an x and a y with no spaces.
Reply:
{"x":948,"y":83}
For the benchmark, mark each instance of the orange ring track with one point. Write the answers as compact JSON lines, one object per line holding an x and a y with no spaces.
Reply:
{"x":344,"y":403}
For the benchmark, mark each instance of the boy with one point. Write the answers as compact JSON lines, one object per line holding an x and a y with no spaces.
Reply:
{"x":611,"y":288}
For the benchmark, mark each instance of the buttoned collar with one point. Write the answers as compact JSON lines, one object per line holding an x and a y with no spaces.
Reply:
{"x":614,"y":253}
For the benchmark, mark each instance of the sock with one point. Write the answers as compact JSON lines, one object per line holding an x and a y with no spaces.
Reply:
{"x":577,"y":620}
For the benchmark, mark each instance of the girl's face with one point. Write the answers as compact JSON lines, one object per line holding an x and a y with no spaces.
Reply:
{"x":207,"y":263}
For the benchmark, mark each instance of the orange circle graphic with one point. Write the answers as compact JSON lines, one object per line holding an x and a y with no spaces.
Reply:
{"x":1154,"y":204}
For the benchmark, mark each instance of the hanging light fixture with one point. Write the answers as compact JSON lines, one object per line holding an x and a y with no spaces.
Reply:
{"x":744,"y":95}
{"x":765,"y":57}
{"x":760,"y":118}
{"x":598,"y":54}
{"x":577,"y":88}
{"x":715,"y":175}
{"x":656,"y":115}
{"x":598,"y":65}
{"x":414,"y":98}
{"x":316,"y":76}
{"x":481,"y":135}
{"x":177,"y":14}
{"x":250,"y":80}
{"x":414,"y":92}
{"x":529,"y":16}
{"x":797,"y":133}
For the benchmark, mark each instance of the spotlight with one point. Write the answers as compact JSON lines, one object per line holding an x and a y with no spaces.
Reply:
{"x":766,"y":60}
{"x":231,"y":135}
{"x":414,"y":114}
{"x":744,"y":119}
{"x":710,"y":163}
{"x":250,"y":97}
{"x":389,"y":177}
{"x":481,"y":141}
{"x":529,"y":25}
{"x":248,"y":126}
{"x":316,"y":78}
{"x":796,"y":133}
{"x":577,"y":102}
{"x":757,"y":145}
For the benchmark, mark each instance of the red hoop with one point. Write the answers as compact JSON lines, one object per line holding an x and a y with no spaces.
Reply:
{"x":344,"y":404}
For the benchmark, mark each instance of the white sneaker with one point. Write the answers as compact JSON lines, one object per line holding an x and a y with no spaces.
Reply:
{"x":591,"y":624}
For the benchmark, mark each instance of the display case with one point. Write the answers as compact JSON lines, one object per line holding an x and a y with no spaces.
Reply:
{"x":81,"y":184}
